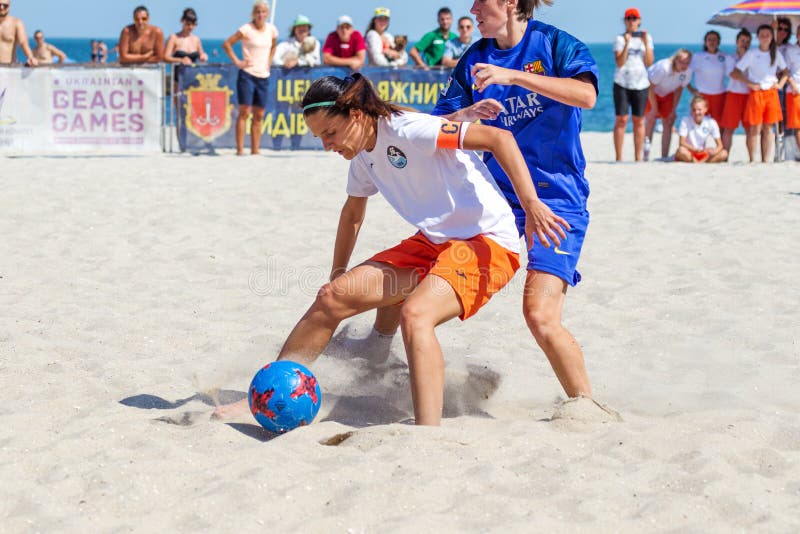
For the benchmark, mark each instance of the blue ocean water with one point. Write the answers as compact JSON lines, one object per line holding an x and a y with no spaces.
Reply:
{"x":599,"y":119}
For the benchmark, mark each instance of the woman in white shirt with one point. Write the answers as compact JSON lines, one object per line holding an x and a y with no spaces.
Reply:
{"x":381,"y":48}
{"x":792,"y":56}
{"x":710,"y":68}
{"x":633,"y":52}
{"x":738,"y":92}
{"x":764,"y":71}
{"x":301,"y":49}
{"x":667,"y":77}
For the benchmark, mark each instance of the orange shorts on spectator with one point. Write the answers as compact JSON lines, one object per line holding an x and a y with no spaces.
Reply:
{"x":475,"y":268}
{"x":792,"y":111}
{"x":763,"y":107}
{"x":733,"y":113}
{"x":665,"y":106}
{"x":716,"y":104}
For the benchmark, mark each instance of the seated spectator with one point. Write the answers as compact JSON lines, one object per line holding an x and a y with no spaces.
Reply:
{"x":44,"y":52}
{"x":381,"y":47}
{"x":695,"y":131}
{"x":455,"y":47}
{"x":431,"y":46}
{"x":667,"y":78}
{"x":141,"y":42}
{"x":345,"y":47}
{"x":301,"y":49}
{"x":184,"y":47}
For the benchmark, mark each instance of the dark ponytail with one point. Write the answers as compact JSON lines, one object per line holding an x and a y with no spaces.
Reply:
{"x":773,"y":46}
{"x":338,"y":96}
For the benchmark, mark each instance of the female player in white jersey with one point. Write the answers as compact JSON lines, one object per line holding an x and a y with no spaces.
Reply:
{"x":467,"y":244}
{"x":710,"y":68}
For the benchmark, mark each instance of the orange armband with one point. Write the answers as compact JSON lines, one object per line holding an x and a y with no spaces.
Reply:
{"x":451,"y":135}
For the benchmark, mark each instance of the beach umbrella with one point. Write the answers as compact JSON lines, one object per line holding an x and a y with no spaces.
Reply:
{"x":751,"y":14}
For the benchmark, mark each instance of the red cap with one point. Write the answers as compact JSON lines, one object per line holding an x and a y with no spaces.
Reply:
{"x":632,"y":12}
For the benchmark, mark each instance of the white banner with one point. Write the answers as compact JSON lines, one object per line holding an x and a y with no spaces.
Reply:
{"x":80,"y":110}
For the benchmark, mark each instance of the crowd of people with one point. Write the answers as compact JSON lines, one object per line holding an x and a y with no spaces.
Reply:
{"x":757,"y":88}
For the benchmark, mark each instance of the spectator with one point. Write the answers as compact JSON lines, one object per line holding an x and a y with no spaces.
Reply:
{"x":13,"y":35}
{"x":736,"y":97}
{"x":345,"y":47}
{"x":432,"y":44}
{"x":792,"y":56}
{"x":454,"y":48}
{"x":783,"y":33}
{"x":185,"y":47}
{"x":710,"y":68}
{"x":44,"y":52}
{"x":301,"y":49}
{"x":102,"y":52}
{"x":758,"y":68}
{"x":259,"y":39}
{"x":693,"y":134}
{"x":141,"y":42}
{"x":633,"y":52}
{"x":381,"y":46}
{"x":667,"y":78}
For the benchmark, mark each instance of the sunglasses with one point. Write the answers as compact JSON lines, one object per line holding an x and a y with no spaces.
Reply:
{"x":4,"y":6}
{"x":783,"y":29}
{"x":465,"y":27}
{"x":631,"y":18}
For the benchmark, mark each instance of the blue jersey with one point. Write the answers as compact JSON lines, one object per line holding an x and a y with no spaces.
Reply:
{"x":547,"y":131}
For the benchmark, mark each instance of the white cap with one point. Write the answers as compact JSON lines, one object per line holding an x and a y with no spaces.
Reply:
{"x":344,"y":19}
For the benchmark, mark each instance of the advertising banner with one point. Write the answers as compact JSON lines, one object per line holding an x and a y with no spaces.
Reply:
{"x":80,"y":110}
{"x":207,"y":104}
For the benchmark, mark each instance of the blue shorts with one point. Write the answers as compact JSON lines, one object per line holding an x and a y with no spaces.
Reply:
{"x":561,"y":261}
{"x":251,"y":91}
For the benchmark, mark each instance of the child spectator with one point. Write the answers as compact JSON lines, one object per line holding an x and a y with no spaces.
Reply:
{"x":694,"y":132}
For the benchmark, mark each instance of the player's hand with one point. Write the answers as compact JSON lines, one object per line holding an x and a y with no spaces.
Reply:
{"x":484,"y":75}
{"x":487,"y":109}
{"x":540,"y":220}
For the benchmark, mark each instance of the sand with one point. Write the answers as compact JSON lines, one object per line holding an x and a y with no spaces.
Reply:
{"x":137,"y":292}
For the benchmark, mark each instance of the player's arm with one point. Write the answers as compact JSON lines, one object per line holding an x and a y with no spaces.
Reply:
{"x":539,"y":218}
{"x":578,"y":91}
{"x":350,"y":220}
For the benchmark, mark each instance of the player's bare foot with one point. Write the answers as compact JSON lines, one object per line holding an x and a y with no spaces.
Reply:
{"x":231,"y":411}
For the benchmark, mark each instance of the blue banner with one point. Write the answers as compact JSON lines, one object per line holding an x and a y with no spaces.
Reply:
{"x":207,"y":102}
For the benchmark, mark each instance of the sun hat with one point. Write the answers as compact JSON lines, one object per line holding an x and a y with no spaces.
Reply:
{"x":344,"y":19}
{"x":382,"y":12}
{"x":301,"y":20}
{"x":632,"y":12}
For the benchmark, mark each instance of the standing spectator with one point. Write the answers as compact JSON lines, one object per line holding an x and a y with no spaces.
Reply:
{"x":431,"y":46}
{"x":454,"y":48}
{"x":185,"y":47}
{"x":259,"y":39}
{"x":141,"y":42}
{"x":345,"y":47}
{"x":693,"y":135}
{"x":792,"y":56}
{"x":783,"y":35}
{"x":736,"y":97}
{"x":633,"y":52}
{"x":102,"y":52}
{"x":710,"y":68}
{"x":13,"y":35}
{"x":44,"y":52}
{"x":758,"y":69}
{"x":301,"y":49}
{"x":381,"y":46}
{"x":667,"y":78}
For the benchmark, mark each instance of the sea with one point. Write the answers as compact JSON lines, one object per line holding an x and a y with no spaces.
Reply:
{"x":598,"y":119}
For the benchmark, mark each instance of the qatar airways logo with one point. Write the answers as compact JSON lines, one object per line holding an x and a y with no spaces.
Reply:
{"x":516,"y":108}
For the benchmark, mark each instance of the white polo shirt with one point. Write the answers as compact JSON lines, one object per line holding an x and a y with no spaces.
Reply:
{"x":757,"y":66}
{"x":665,"y":81}
{"x":710,"y":71}
{"x":697,"y":135}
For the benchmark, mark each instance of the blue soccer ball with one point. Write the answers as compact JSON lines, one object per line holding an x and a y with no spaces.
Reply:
{"x":284,"y":395}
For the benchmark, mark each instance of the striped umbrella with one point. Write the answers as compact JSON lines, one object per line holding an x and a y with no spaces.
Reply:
{"x":751,"y":14}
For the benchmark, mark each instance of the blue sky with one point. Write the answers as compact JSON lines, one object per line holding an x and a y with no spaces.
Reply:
{"x":669,"y":21}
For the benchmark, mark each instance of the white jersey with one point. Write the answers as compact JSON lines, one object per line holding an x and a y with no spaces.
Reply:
{"x":665,"y":81}
{"x":757,"y":66}
{"x":735,"y":86}
{"x":633,"y":74}
{"x":710,"y":71}
{"x":698,"y":135}
{"x":446,"y":192}
{"x":792,"y":57}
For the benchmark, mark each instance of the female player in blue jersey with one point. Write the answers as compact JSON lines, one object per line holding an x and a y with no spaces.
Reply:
{"x":532,"y":79}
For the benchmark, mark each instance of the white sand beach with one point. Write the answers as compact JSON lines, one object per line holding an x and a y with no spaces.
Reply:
{"x":136,"y":292}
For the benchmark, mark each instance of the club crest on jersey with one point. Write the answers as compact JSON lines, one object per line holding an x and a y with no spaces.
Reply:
{"x":535,"y":67}
{"x":396,"y":157}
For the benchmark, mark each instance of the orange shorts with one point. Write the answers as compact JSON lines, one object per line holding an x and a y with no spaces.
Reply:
{"x":733,"y":113}
{"x":475,"y":268}
{"x":763,"y":107}
{"x":716,"y":104}
{"x":665,"y":106}
{"x":699,"y":155}
{"x":792,"y":111}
